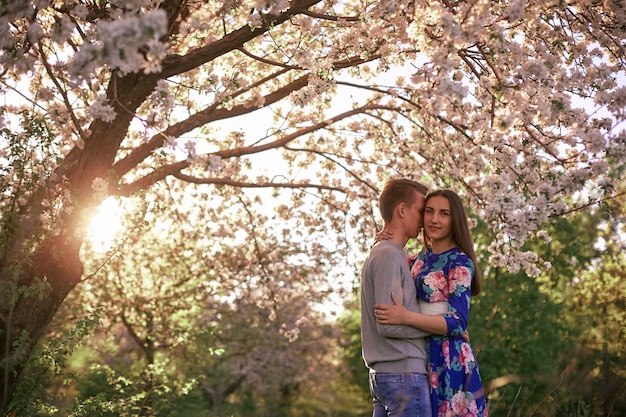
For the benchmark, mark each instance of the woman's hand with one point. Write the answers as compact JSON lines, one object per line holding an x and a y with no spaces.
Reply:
{"x":383,"y":235}
{"x":390,"y":314}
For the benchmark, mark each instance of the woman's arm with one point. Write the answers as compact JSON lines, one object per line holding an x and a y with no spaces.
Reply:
{"x":397,"y":314}
{"x":459,"y":287}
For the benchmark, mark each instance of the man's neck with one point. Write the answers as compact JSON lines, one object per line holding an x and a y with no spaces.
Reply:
{"x":399,"y":237}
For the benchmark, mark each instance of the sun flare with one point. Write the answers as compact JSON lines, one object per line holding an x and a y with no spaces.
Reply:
{"x":105,"y":225}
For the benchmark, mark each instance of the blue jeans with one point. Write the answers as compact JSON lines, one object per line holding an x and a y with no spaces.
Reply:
{"x":400,"y":395}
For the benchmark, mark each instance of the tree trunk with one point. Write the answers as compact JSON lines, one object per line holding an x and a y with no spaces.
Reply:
{"x":29,"y":307}
{"x":36,"y":276}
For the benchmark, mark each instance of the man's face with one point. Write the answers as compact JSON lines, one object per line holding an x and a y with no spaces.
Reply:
{"x":413,"y":220}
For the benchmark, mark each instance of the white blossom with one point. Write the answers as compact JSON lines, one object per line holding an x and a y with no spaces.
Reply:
{"x":80,"y":10}
{"x":35,"y":32}
{"x":120,"y":44}
{"x":100,"y":109}
{"x":214,"y":163}
{"x":190,"y":148}
{"x":255,"y":20}
{"x":100,"y":188}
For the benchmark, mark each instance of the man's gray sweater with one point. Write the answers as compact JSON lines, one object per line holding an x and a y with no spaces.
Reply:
{"x":390,"y":348}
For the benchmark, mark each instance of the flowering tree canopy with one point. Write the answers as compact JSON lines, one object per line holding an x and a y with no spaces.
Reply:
{"x":516,"y":104}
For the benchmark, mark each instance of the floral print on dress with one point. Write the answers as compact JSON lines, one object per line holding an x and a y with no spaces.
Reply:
{"x":456,"y":387}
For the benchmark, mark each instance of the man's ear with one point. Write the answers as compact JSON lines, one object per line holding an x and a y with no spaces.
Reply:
{"x":401,"y":209}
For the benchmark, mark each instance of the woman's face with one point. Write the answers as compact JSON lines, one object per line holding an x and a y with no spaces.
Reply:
{"x":438,"y":218}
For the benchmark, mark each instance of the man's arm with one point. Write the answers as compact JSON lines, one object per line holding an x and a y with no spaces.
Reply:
{"x":388,"y":280}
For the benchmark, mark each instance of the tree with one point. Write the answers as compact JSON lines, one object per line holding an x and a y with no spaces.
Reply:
{"x":516,"y":104}
{"x":196,"y":318}
{"x":551,"y":345}
{"x":520,"y":325}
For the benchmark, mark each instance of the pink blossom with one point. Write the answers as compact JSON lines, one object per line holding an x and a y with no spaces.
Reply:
{"x":471,"y":410}
{"x":444,"y":409}
{"x":434,"y":379}
{"x":466,"y":356}
{"x":460,"y":276}
{"x":459,"y":402}
{"x":445,"y":350}
{"x":417,"y":267}
{"x":438,"y":283}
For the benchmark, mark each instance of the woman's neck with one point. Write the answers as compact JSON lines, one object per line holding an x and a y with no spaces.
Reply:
{"x":440,"y":246}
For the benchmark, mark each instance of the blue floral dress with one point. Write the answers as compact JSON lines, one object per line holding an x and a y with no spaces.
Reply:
{"x":456,"y":388}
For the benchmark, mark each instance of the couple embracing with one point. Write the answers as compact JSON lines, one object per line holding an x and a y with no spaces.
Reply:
{"x":414,"y":311}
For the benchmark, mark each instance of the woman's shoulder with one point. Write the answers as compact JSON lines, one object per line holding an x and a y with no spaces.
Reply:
{"x":457,"y":257}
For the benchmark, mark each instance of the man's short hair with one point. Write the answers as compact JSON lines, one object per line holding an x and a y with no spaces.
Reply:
{"x":396,"y":191}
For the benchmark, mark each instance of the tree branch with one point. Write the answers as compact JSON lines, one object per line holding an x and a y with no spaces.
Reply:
{"x":164,"y":171}
{"x":321,"y":16}
{"x":176,"y":64}
{"x":62,"y":91}
{"x":208,"y":115}
{"x":242,"y":184}
{"x":176,"y":168}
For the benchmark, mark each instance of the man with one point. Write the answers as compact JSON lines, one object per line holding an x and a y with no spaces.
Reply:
{"x":395,"y":354}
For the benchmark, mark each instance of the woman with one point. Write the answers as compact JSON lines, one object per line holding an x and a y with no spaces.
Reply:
{"x":446,"y":274}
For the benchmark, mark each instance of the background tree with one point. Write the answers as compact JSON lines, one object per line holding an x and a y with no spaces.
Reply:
{"x":246,"y":342}
{"x":517,"y":104}
{"x":548,"y":343}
